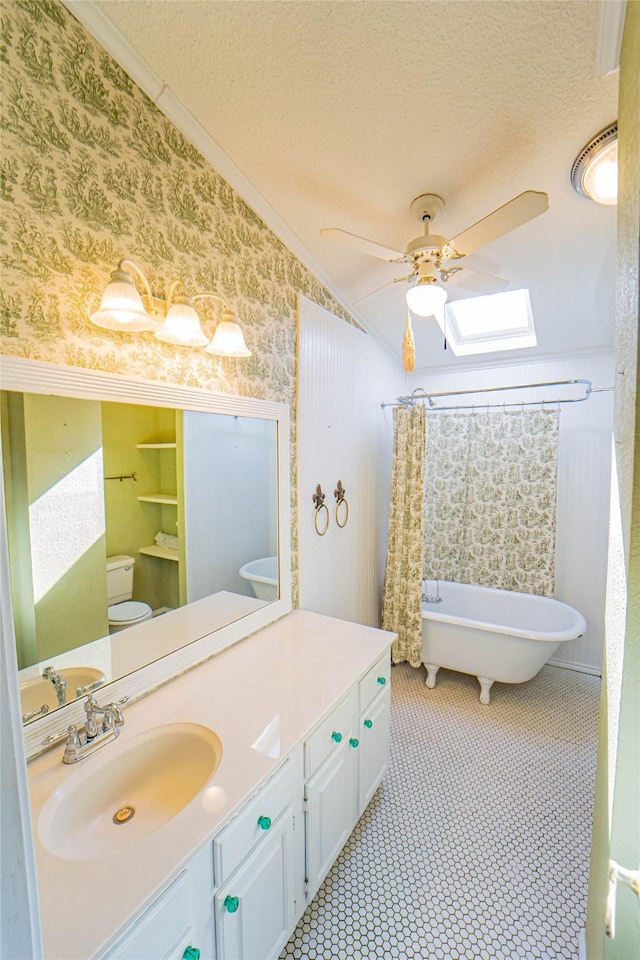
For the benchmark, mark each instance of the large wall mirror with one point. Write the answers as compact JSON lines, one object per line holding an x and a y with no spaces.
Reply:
{"x":121,"y":513}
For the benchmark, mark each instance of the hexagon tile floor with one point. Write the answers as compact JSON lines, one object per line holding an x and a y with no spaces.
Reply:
{"x":476,"y":846}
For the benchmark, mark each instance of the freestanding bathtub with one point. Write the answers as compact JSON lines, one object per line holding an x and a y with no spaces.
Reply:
{"x":492,"y":634}
{"x":262,"y":574}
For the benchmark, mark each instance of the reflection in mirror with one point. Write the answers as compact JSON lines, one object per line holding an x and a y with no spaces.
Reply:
{"x":118,"y":513}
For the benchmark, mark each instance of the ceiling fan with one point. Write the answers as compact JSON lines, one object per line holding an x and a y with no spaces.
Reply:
{"x":434,"y":259}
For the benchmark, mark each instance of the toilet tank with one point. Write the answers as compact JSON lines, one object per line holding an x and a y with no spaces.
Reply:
{"x":119,"y":578}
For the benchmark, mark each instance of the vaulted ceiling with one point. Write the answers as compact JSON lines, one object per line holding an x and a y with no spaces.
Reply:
{"x":340,"y":113}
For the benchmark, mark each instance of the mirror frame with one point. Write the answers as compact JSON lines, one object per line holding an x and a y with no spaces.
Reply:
{"x":36,"y":376}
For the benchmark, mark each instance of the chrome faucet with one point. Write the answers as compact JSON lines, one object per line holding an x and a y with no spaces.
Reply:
{"x":83,"y":742}
{"x":59,"y":683}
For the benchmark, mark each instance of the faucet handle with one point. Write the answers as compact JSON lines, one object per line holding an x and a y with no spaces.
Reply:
{"x":91,"y":708}
{"x":72,"y":745}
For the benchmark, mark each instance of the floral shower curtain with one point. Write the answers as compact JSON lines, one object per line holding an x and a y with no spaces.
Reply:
{"x":402,"y":604}
{"x":490,"y":499}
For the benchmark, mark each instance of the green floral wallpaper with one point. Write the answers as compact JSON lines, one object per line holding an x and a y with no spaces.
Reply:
{"x":91,"y":172}
{"x":490,"y":499}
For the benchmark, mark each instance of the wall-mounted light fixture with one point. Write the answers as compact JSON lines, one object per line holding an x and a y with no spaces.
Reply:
{"x":426,"y":298}
{"x":173,"y":319}
{"x":594,"y":173}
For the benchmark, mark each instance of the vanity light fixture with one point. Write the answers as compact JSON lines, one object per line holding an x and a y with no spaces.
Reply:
{"x":173,"y":319}
{"x":426,"y":298}
{"x":594,"y":173}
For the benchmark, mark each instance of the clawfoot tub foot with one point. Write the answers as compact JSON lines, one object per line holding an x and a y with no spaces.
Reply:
{"x":431,"y":675}
{"x":485,"y":686}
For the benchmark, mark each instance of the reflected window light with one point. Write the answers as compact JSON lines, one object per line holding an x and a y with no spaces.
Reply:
{"x":65,"y":522}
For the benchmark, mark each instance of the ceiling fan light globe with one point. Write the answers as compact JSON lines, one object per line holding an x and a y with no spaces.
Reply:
{"x":600,"y":177}
{"x":426,"y":299}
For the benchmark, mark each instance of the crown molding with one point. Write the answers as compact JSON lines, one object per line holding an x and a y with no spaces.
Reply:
{"x":100,"y":27}
{"x":592,"y":353}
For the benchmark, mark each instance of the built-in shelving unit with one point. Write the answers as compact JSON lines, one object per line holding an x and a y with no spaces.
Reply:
{"x":156,"y":446}
{"x":163,"y":552}
{"x":165,"y":498}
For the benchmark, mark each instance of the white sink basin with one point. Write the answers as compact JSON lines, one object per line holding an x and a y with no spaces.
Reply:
{"x":36,"y":692}
{"x":156,"y":776}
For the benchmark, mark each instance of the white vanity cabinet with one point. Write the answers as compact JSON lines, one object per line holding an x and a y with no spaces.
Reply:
{"x":259,"y":865}
{"x":330,"y":792}
{"x":346,"y":757}
{"x":255,"y":909}
{"x":374,"y":729}
{"x":229,"y":876}
{"x":178,"y":919}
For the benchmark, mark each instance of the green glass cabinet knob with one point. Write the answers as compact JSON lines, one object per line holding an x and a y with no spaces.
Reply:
{"x":354,"y":741}
{"x":368,"y":724}
{"x":382,"y":681}
{"x":336,"y":736}
{"x":231,"y":904}
{"x":264,"y":822}
{"x":191,"y":953}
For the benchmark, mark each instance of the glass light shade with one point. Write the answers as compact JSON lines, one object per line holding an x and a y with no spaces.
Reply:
{"x":121,"y":307}
{"x":228,"y":340}
{"x":600,"y":176}
{"x":182,"y":325}
{"x":426,"y":298}
{"x":594,"y":173}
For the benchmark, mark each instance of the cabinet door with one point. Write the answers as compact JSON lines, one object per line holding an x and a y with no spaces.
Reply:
{"x":373,"y":751}
{"x":330,"y":812}
{"x":179,"y":917}
{"x":254,"y":909}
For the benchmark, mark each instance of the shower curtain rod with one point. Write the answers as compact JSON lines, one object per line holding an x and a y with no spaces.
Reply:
{"x":421,"y":394}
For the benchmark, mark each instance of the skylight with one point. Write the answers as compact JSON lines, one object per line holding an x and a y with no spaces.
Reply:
{"x":502,"y":321}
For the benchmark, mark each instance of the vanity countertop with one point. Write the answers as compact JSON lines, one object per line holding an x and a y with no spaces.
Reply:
{"x":285,"y":677}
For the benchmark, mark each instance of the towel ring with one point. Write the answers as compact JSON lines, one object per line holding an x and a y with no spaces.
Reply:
{"x":342,"y":516}
{"x":318,"y":499}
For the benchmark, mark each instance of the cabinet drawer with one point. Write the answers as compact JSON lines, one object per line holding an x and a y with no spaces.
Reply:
{"x":255,"y":819}
{"x":322,"y":741}
{"x":373,"y":681}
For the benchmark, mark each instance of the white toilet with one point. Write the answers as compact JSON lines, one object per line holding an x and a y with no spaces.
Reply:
{"x":123,"y":612}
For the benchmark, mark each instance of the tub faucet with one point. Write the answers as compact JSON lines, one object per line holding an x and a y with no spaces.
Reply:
{"x":86,"y":740}
{"x":59,"y":683}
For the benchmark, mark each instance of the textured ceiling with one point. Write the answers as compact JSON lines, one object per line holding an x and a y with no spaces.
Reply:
{"x":340,"y":113}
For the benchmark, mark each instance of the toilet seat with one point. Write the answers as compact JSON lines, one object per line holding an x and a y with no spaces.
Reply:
{"x":128,"y":612}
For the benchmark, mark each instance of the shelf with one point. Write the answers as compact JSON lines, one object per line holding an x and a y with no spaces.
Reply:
{"x":160,"y":498}
{"x":162,"y":552}
{"x":156,"y":446}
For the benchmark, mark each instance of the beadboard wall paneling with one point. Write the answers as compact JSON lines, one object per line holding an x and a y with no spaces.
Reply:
{"x":584,"y":464}
{"x":343,"y":435}
{"x":230,"y":497}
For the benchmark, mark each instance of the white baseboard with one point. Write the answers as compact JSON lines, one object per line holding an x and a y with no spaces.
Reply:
{"x":578,"y":667}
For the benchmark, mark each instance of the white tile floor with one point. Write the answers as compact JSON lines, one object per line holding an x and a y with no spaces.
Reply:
{"x":476,"y":847}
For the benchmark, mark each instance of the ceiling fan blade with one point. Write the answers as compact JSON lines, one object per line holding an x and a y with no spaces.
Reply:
{"x":526,"y":206}
{"x":383,"y":287}
{"x":360,"y":244}
{"x":476,"y":282}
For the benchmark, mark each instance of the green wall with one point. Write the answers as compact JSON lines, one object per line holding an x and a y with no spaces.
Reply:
{"x":54,"y":457}
{"x":616,"y":829}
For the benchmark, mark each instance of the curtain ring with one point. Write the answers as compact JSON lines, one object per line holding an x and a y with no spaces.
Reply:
{"x":339,"y":494}
{"x":318,"y":499}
